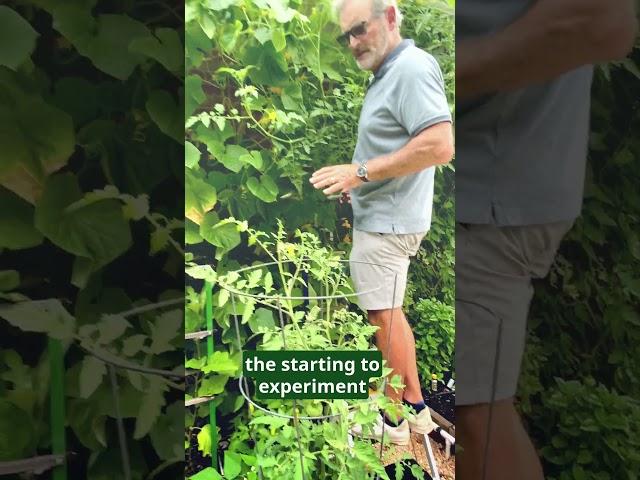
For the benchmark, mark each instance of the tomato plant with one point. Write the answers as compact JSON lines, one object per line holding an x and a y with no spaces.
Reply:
{"x":271,"y":97}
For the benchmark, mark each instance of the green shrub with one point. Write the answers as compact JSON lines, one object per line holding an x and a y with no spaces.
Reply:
{"x":435,"y":337}
{"x":594,"y":432}
{"x":585,"y":313}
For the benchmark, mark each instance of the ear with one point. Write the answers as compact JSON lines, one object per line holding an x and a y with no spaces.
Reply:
{"x":390,"y":16}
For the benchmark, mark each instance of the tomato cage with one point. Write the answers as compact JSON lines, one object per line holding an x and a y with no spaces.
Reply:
{"x":281,"y":302}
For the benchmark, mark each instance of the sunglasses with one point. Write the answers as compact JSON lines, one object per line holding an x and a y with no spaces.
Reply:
{"x":357,"y":31}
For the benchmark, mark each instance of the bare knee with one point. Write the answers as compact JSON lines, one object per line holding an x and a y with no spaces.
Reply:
{"x":472,"y":420}
{"x":382,"y":318}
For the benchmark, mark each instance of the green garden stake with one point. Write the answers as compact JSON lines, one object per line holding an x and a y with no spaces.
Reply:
{"x":58,"y":442}
{"x":208,"y":314}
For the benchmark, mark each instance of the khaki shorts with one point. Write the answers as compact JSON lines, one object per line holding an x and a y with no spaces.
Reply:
{"x":390,"y":252}
{"x":494,"y":269}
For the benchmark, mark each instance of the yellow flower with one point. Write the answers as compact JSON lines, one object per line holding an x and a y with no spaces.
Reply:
{"x":268,"y":117}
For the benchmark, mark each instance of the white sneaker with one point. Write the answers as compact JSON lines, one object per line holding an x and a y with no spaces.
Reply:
{"x":422,"y":422}
{"x":399,"y":435}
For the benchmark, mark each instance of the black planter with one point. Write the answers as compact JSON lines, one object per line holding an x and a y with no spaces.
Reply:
{"x":442,"y":401}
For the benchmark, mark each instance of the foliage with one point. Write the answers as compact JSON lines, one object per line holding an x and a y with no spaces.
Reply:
{"x":431,"y":274}
{"x":273,"y":75}
{"x":585,"y":314}
{"x":435,"y":337}
{"x":271,"y":97}
{"x":595,"y":434}
{"x":319,"y":325}
{"x":89,"y":224}
{"x":274,"y":99}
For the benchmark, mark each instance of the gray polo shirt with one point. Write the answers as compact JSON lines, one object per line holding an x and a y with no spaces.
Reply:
{"x":521,"y":155}
{"x":406,"y":96}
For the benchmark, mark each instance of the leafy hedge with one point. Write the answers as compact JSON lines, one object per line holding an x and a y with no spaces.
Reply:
{"x":585,"y":317}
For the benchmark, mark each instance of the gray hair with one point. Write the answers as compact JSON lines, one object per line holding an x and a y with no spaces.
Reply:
{"x":377,"y":6}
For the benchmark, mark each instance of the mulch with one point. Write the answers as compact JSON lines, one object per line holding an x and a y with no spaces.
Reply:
{"x":416,"y":450}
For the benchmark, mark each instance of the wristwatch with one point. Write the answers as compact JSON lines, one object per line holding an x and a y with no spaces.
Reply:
{"x":362,"y":173}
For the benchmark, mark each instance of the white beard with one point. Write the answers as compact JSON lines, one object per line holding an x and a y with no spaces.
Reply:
{"x":374,"y":56}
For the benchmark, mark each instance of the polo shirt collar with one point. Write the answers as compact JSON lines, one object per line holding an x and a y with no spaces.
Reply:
{"x":395,"y":53}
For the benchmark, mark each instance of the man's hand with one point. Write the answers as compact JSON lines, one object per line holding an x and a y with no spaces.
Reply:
{"x":551,"y":38}
{"x":336,"y":179}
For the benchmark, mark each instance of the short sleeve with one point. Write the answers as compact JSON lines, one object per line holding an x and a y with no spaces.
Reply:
{"x":420,"y":99}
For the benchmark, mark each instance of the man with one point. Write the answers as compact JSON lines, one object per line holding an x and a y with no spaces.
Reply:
{"x":404,"y":131}
{"x":523,"y":85}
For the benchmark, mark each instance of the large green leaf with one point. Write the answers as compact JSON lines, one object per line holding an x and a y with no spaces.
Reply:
{"x":150,"y":407}
{"x":232,"y":465}
{"x":265,"y":188}
{"x":166,"y":113}
{"x":232,"y":158}
{"x":36,"y":139}
{"x":91,"y":374}
{"x":17,"y":38}
{"x":16,"y":432}
{"x":206,"y":474}
{"x":192,"y":233}
{"x":194,"y":95}
{"x":191,"y":155}
{"x":197,"y":45}
{"x":200,"y":197}
{"x":109,"y":48}
{"x":166,"y":435}
{"x":42,"y":316}
{"x":262,"y":321}
{"x":273,"y":66}
{"x":104,"y":40}
{"x":165,"y":47}
{"x":87,"y":426}
{"x":254,"y":158}
{"x":97,"y":231}
{"x":112,"y":327}
{"x":222,"y":363}
{"x":16,"y":223}
{"x":204,"y":441}
{"x":279,"y":40}
{"x":212,"y":385}
{"x":223,"y":234}
{"x":165,"y":330}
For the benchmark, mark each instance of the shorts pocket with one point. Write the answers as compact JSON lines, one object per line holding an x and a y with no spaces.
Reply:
{"x":409,"y":242}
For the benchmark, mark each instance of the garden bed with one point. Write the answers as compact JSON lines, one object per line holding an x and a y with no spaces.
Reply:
{"x":446,"y":466}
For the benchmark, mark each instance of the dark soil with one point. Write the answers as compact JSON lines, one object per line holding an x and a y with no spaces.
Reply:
{"x":443,"y":401}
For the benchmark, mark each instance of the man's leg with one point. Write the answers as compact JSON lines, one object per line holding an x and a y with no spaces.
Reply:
{"x":379,"y":265}
{"x":510,"y":455}
{"x":494,"y":270}
{"x":396,"y":342}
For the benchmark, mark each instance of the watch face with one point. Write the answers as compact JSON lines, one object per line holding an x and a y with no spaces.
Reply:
{"x":362,"y":171}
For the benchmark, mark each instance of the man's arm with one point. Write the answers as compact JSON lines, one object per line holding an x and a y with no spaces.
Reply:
{"x":551,"y":38}
{"x":432,"y":146}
